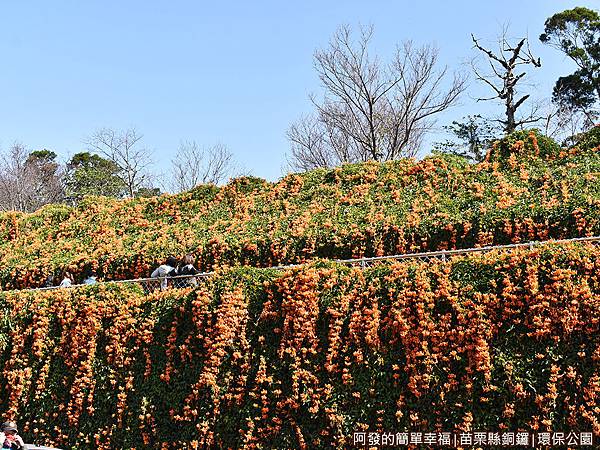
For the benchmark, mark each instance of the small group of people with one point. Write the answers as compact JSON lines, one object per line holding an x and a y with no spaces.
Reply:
{"x":167,"y":272}
{"x":172,"y":267}
{"x":68,"y":280}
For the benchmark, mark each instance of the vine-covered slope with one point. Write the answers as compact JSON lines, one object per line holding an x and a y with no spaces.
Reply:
{"x":356,"y":210}
{"x":258,"y":358}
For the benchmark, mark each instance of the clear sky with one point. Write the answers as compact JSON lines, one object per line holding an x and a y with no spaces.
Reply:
{"x":232,"y":72}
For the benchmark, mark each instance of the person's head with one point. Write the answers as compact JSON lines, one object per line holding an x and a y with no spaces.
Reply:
{"x":171,"y":261}
{"x":9,"y":428}
{"x":188,"y":259}
{"x":68,"y":275}
{"x":90,"y":273}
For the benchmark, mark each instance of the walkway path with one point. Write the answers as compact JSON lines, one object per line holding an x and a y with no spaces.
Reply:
{"x":151,"y":284}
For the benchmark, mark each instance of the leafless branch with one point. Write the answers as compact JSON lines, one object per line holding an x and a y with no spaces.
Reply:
{"x":124,"y":148}
{"x":194,"y":165}
{"x":371,"y":110}
{"x":503,"y":80}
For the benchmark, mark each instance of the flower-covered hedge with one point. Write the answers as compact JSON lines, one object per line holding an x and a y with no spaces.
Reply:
{"x":524,"y":144}
{"x":589,"y":140}
{"x":355,"y":210}
{"x":257,"y":358}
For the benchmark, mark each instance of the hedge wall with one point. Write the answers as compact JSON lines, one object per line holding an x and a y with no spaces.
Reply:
{"x":263,"y":359}
{"x":355,"y":210}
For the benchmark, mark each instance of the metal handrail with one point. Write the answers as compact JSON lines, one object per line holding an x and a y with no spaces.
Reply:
{"x":364,"y":262}
{"x":471,"y":250}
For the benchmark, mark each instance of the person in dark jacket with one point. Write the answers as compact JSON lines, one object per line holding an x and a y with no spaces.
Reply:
{"x":187,"y":268}
{"x":91,"y":277}
{"x":49,"y":282}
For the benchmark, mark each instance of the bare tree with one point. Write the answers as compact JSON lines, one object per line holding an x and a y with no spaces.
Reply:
{"x":194,"y":165}
{"x":29,"y":180}
{"x":503,"y":78}
{"x":563,"y":123}
{"x":125,"y":150}
{"x":371,"y":110}
{"x":13,"y":179}
{"x":552,"y":124}
{"x":317,"y":143}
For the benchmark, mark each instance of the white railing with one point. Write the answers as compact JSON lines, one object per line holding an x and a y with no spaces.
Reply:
{"x":151,"y":284}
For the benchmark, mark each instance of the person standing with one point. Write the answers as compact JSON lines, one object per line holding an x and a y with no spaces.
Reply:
{"x":168,"y":269}
{"x":67,"y":280}
{"x":188,"y":269}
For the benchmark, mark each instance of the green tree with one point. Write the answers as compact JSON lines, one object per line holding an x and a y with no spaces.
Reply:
{"x":576,"y":33}
{"x":471,"y":138}
{"x":42,"y":156}
{"x":90,"y":174}
{"x":29,"y":180}
{"x":45,"y":178}
{"x":147,"y":192}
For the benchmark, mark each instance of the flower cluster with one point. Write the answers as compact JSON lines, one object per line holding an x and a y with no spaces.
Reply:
{"x":368,"y":209}
{"x":256,"y":358}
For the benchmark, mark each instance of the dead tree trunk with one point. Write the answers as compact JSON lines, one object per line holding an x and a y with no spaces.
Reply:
{"x":503,"y":79}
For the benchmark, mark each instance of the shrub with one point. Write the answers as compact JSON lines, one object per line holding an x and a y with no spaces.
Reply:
{"x":356,"y":210}
{"x":590,"y":140}
{"x":524,"y":144}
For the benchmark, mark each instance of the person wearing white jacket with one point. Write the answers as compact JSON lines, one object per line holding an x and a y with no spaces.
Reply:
{"x":169,"y":268}
{"x":67,"y":280}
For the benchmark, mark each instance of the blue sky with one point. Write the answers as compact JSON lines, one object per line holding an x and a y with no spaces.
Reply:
{"x":232,"y":72}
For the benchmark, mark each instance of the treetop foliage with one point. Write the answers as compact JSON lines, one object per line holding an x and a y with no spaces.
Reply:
{"x":576,"y":33}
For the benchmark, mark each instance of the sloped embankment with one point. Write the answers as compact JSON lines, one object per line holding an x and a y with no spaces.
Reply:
{"x":263,"y":359}
{"x":357,"y":210}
